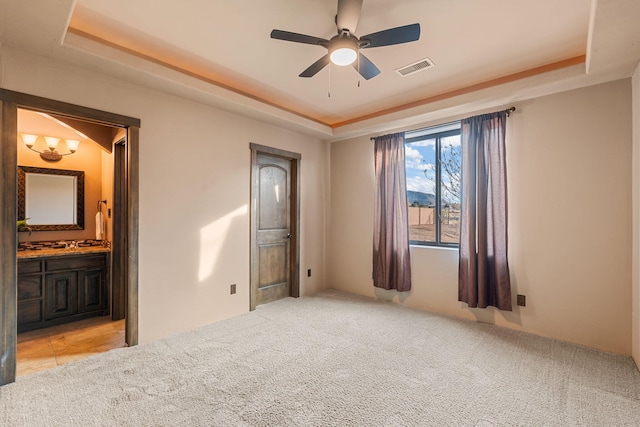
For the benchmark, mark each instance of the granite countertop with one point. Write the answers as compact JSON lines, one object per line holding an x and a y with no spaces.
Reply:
{"x":50,"y":249}
{"x":40,"y":253}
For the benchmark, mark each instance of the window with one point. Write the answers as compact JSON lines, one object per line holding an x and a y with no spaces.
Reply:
{"x":432,"y":164}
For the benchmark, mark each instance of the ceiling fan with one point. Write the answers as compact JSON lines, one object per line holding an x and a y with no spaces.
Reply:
{"x":344,"y":48}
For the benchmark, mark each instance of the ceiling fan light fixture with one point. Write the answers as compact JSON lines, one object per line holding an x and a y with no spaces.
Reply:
{"x":343,"y":56}
{"x":343,"y":50}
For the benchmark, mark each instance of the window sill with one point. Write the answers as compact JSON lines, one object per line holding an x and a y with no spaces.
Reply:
{"x":444,"y":248}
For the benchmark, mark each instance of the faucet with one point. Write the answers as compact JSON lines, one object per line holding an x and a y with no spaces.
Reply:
{"x":73,"y":245}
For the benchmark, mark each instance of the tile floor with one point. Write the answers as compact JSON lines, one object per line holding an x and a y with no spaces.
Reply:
{"x":57,"y":345}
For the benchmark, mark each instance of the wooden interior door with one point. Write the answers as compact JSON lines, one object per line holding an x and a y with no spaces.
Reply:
{"x":274,"y":228}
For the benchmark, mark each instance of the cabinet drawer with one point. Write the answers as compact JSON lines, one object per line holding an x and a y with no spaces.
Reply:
{"x":29,"y":266}
{"x":29,"y":312}
{"x":29,"y":287}
{"x":75,"y":263}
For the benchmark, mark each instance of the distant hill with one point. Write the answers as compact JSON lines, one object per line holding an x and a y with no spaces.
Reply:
{"x":423,"y":199}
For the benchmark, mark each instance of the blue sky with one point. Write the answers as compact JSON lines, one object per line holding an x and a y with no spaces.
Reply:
{"x":420,"y":156}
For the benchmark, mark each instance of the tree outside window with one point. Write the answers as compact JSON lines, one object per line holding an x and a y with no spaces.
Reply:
{"x":433,"y":165}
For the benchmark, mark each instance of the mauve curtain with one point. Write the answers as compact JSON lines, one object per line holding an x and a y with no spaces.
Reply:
{"x":391,"y":261}
{"x":483,"y":275}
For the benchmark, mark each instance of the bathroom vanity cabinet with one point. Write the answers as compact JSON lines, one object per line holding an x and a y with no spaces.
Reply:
{"x":61,"y":287}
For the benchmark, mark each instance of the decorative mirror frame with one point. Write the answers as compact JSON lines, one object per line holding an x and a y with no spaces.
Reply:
{"x":23,"y":170}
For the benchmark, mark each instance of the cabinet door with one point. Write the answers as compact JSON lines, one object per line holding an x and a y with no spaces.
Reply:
{"x":61,"y":296}
{"x":30,"y":311}
{"x":92,"y":291}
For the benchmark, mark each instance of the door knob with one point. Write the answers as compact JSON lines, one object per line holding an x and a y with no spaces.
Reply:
{"x":288,"y":236}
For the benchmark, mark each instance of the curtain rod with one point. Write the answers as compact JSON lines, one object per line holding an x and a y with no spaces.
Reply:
{"x":508,"y":111}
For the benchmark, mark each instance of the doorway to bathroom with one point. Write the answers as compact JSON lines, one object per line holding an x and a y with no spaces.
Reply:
{"x":73,"y":284}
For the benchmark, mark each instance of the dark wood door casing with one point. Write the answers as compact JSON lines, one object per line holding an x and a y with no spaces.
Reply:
{"x":10,"y":101}
{"x":8,"y":216}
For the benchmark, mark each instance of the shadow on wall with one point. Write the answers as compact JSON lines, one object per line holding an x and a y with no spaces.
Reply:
{"x":489,"y":314}
{"x":482,"y":315}
{"x":212,"y":240}
{"x":390,"y":295}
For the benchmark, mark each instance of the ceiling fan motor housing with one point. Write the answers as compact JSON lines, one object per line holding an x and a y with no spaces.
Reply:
{"x":343,"y":48}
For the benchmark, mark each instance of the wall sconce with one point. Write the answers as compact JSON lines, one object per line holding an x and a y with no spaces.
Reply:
{"x":52,"y":144}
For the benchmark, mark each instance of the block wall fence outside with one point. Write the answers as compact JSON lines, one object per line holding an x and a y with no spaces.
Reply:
{"x":420,"y":215}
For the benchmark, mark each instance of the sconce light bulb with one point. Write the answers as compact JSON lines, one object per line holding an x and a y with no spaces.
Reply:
{"x":29,"y":139}
{"x":52,"y":142}
{"x":72,"y":145}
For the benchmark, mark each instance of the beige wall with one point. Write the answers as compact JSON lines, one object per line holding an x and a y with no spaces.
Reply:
{"x":194,"y":192}
{"x":566,"y":155}
{"x":86,"y":159}
{"x":636,"y":217}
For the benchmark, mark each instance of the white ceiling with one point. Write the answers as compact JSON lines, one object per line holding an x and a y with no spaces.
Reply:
{"x":220,"y":52}
{"x":42,"y":124}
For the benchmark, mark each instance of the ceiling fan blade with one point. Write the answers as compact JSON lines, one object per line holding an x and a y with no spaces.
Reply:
{"x":348,"y":15}
{"x":398,"y":35}
{"x":298,"y":38}
{"x":365,"y":67}
{"x":316,"y":67}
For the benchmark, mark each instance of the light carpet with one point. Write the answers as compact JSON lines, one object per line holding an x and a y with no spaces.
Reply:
{"x":334,"y":359}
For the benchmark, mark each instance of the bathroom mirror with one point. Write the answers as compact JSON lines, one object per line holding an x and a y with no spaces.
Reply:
{"x":52,"y":199}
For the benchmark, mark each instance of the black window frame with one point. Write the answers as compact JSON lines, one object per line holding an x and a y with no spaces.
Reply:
{"x":438,"y":135}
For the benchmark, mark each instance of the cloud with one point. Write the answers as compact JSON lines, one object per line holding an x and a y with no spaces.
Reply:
{"x":413,"y":158}
{"x":420,"y":183}
{"x":451,"y":141}
{"x":412,"y":153}
{"x":424,"y":143}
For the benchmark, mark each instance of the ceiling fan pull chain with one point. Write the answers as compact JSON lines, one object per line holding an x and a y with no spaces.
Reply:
{"x":329,"y":91}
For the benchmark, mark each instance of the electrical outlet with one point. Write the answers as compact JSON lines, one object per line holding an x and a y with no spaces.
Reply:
{"x":521,"y":300}
{"x":309,"y":273}
{"x":232,"y":289}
